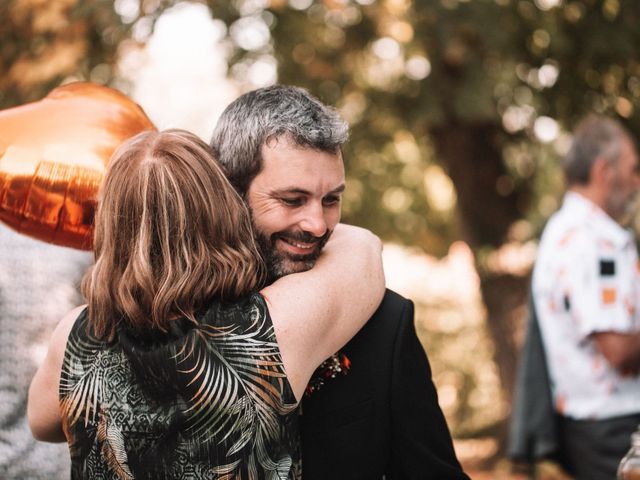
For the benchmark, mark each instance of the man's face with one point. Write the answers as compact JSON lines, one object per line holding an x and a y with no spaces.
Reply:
{"x":295,"y":203}
{"x":624,"y":180}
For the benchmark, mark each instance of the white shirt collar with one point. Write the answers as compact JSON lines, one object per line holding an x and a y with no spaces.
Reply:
{"x":581,"y":207}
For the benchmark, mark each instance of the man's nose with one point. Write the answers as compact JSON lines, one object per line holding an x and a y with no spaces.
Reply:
{"x":313,"y":220}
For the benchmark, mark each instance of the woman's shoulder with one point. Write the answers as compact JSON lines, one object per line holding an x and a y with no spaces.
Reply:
{"x":245,"y":315}
{"x":71,"y":322}
{"x":81,"y":346}
{"x":247,"y":306}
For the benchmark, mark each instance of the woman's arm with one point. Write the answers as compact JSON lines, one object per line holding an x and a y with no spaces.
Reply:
{"x":43,"y":405}
{"x":317,"y":312}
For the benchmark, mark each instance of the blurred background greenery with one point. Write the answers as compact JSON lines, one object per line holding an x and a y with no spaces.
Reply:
{"x":459,"y":111}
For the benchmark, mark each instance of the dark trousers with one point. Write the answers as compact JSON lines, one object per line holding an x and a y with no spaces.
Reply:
{"x":592,"y":449}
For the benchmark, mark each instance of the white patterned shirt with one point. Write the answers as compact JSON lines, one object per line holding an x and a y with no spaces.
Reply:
{"x":586,"y":280}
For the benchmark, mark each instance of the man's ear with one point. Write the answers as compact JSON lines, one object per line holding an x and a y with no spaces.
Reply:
{"x":600,"y":172}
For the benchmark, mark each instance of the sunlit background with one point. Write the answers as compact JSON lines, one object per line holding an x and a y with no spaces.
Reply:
{"x":460,"y":110}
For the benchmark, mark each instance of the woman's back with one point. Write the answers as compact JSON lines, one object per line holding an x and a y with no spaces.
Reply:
{"x":207,"y":401}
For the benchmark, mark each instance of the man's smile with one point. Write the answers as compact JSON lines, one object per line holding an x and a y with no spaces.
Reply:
{"x":296,"y":247}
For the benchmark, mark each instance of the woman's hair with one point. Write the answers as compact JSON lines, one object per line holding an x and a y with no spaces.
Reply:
{"x":170,"y":234}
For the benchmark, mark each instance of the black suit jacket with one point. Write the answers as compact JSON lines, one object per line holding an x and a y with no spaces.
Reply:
{"x":383,"y":417}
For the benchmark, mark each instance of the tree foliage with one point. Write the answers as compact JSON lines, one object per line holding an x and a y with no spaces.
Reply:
{"x":491,"y":68}
{"x":435,"y":92}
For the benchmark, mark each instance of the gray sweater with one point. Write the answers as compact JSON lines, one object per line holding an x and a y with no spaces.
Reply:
{"x":38,"y":285}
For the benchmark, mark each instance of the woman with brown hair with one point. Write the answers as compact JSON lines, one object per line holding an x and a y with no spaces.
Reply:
{"x":178,"y":367}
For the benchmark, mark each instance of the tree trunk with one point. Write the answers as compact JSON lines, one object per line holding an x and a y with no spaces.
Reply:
{"x":505,"y":297}
{"x":472,"y":153}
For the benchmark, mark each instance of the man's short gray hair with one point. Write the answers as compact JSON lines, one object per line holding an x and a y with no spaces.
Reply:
{"x":272,"y":113}
{"x":595,"y":136}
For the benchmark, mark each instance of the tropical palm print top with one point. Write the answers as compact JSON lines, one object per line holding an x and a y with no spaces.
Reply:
{"x":207,"y":401}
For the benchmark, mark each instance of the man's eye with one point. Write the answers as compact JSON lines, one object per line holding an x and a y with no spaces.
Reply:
{"x":292,"y":202}
{"x":328,"y":201}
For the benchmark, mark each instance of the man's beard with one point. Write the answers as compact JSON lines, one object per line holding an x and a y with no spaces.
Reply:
{"x":281,"y":263}
{"x":622,"y":202}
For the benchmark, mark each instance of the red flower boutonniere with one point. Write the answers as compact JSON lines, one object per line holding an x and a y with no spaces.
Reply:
{"x":336,"y":364}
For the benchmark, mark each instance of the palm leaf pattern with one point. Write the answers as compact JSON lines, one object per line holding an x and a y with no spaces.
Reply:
{"x":235,"y":378}
{"x":113,"y":448}
{"x":82,"y":383}
{"x":219,"y":386}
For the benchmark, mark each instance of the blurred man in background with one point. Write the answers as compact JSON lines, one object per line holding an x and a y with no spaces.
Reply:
{"x":586,"y":291}
{"x":281,"y":148}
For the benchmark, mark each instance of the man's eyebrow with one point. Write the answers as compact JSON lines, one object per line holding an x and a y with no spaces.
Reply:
{"x":338,"y":189}
{"x":301,"y":191}
{"x":285,"y":191}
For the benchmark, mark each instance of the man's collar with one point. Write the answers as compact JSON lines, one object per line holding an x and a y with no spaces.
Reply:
{"x":583,"y":208}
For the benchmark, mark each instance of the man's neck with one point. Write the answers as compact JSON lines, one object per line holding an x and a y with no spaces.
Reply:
{"x":596,"y":197}
{"x":592,"y":194}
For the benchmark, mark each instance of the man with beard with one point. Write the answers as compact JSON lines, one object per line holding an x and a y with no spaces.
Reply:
{"x":371,"y":411}
{"x":586,"y":287}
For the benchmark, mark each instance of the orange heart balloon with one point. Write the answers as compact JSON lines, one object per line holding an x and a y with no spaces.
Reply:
{"x":53,"y":154}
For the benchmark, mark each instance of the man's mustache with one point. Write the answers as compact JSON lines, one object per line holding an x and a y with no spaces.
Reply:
{"x":302,"y":237}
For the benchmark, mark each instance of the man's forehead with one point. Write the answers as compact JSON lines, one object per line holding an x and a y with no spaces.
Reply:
{"x":288,"y":156}
{"x":287,"y":142}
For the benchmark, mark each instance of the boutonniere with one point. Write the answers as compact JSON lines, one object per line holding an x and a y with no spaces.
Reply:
{"x":336,"y":364}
